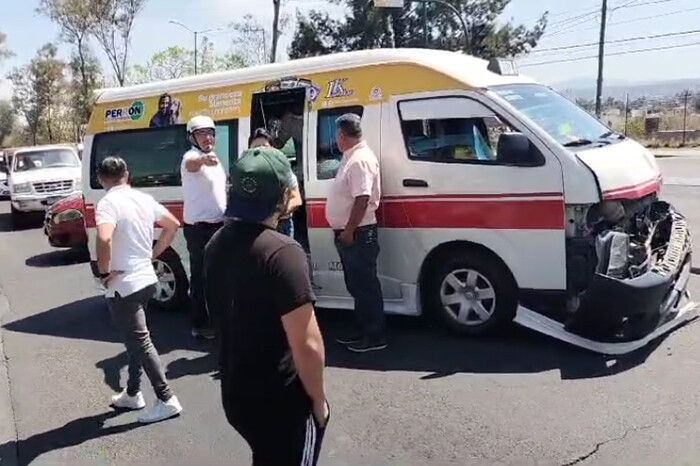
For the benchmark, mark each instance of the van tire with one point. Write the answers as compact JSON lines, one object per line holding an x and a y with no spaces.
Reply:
{"x":496,"y":292}
{"x":172,"y":290}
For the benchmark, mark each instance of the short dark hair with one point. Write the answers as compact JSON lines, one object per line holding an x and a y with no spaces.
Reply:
{"x":350,"y":125}
{"x":112,"y":168}
{"x":260,"y":133}
{"x":163,"y":97}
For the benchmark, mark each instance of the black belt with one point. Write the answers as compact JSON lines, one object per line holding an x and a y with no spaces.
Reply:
{"x":205,"y":224}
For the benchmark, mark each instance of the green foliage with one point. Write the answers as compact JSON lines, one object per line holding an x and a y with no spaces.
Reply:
{"x":367,"y":27}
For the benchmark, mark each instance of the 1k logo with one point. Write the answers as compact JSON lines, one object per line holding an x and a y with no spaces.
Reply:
{"x":336,"y":88}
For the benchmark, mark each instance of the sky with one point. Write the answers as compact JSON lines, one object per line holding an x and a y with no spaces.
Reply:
{"x":572,"y":22}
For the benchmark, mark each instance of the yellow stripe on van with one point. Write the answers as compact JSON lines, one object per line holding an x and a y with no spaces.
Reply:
{"x":355,"y":86}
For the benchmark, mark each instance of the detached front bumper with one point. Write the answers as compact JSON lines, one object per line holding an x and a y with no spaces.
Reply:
{"x":618,"y":316}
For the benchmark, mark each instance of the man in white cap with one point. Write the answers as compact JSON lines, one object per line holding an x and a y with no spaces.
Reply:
{"x":204,"y":186}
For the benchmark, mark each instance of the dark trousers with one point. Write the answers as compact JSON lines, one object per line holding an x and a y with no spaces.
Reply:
{"x":197,"y":237}
{"x":129,"y":316}
{"x":360,"y":270}
{"x":278,"y":434}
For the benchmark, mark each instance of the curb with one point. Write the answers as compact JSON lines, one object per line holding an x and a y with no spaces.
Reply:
{"x":8,"y":426}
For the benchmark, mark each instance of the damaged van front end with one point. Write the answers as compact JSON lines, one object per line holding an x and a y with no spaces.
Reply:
{"x":628,"y":267}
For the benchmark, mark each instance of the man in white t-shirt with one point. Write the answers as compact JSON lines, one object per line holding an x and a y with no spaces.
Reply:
{"x":204,"y":186}
{"x":125,"y":221}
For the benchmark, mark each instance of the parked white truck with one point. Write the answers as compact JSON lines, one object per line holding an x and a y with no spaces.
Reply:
{"x":39,"y":176}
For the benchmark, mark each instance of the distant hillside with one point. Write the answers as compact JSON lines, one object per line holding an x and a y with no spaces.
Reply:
{"x":585,"y":88}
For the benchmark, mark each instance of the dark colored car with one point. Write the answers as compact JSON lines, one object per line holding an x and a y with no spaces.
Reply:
{"x":64,"y":223}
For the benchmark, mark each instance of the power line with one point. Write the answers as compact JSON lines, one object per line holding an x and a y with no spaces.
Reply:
{"x":629,"y":39}
{"x":626,"y":52}
{"x":630,"y":21}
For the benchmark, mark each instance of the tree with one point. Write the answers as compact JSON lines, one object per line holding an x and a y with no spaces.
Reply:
{"x":38,"y":93}
{"x":77,"y":23}
{"x":366,"y":27}
{"x":24,"y":100}
{"x":8,"y":117}
{"x":171,"y":63}
{"x":114,"y":20}
{"x":86,"y":77}
{"x":252,"y":41}
{"x":4,"y":51}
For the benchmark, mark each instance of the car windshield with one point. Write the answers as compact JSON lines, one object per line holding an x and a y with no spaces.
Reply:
{"x":50,"y":158}
{"x":565,"y":121}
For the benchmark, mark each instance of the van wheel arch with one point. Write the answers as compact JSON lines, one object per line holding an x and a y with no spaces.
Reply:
{"x":489,"y":266}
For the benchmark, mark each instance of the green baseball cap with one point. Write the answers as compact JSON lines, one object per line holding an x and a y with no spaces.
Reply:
{"x":258,"y":179}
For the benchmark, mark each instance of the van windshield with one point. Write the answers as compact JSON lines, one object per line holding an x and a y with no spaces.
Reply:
{"x":565,"y":121}
{"x":51,"y":158}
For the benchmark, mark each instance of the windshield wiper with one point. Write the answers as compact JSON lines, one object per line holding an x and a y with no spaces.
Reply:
{"x":578,"y":143}
{"x":611,"y":133}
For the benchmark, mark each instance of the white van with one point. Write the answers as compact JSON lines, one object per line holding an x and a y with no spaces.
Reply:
{"x":39,"y":176}
{"x":502,"y":200}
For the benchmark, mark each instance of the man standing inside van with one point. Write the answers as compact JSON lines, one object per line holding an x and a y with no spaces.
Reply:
{"x":351,"y":212}
{"x":204,"y":186}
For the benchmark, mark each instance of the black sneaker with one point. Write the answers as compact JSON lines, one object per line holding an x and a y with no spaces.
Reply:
{"x":350,"y":339}
{"x":203,"y":332}
{"x":367,"y":345}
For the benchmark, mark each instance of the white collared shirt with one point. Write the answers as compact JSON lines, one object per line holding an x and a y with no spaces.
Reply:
{"x":133,"y":215}
{"x":204,"y":191}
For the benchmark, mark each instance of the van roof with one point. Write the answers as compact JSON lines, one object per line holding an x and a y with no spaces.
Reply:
{"x":468,"y":69}
{"x":26,"y":149}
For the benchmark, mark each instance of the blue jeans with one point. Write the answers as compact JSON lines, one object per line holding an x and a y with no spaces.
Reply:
{"x":360,"y":270}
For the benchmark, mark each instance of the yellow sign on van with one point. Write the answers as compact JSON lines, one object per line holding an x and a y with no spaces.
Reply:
{"x":367,"y":85}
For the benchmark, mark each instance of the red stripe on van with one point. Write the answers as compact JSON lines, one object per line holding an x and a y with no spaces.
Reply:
{"x":635,"y":191}
{"x":494,"y":214}
{"x":175,"y":207}
{"x":490,"y":211}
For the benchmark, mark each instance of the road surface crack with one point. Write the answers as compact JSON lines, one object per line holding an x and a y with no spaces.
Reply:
{"x":600,"y":445}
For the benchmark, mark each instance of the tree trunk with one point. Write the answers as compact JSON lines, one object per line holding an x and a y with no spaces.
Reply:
{"x":275,"y":30}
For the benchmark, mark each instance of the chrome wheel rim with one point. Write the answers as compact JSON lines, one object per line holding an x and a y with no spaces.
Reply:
{"x":167,"y":284}
{"x":468,"y":297}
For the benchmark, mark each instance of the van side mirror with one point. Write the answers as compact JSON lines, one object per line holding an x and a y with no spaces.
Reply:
{"x":517,"y":150}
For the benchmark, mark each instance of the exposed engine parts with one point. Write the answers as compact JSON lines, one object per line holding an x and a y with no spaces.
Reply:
{"x":613,"y":249}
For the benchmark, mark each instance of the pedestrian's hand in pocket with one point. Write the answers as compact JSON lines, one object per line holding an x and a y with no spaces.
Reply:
{"x":321,"y":413}
{"x":346,"y":237}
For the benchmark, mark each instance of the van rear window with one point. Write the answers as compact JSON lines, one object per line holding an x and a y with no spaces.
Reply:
{"x":153,"y":155}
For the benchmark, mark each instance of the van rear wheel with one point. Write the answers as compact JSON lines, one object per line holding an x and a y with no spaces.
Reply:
{"x":473,"y":293}
{"x":172,"y":286}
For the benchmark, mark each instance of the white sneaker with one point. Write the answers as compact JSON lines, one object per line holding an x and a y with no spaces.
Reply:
{"x":124,"y":401}
{"x":162,"y":411}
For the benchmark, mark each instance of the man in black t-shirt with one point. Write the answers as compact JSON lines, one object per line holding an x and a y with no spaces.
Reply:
{"x":257,"y":287}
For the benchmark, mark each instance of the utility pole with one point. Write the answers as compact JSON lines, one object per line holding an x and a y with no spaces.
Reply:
{"x":275,"y":30}
{"x":627,"y":110}
{"x":685,"y":115}
{"x":601,"y":53}
{"x":195,"y":53}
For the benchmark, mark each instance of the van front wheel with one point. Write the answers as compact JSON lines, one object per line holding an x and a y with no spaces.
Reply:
{"x":473,"y":293}
{"x":172,"y":287}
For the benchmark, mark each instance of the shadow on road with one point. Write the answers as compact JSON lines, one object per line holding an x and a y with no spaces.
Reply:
{"x":59,"y":257}
{"x":72,"y":434}
{"x":415,"y":346}
{"x":31,"y":222}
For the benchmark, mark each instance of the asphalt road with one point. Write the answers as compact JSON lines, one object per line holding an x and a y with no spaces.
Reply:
{"x":431,"y":399}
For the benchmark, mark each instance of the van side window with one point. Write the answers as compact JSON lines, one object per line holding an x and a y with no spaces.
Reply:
{"x":153,"y":155}
{"x":451,"y":130}
{"x":327,"y":154}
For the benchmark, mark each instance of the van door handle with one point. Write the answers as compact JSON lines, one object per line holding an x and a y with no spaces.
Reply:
{"x":414,"y":183}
